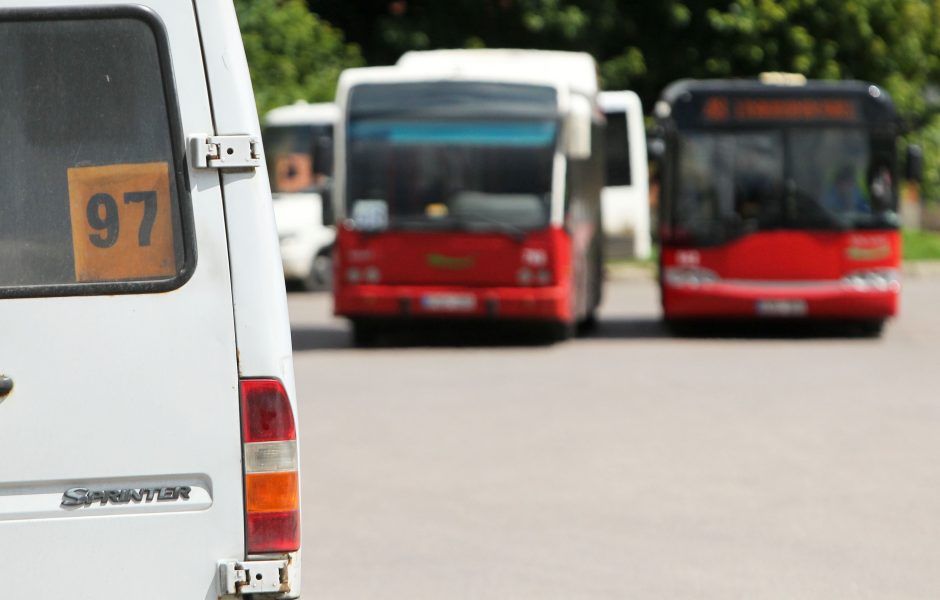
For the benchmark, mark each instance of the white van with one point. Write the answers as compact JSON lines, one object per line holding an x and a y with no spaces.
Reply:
{"x":625,"y":198}
{"x":147,"y":407}
{"x":298,"y":141}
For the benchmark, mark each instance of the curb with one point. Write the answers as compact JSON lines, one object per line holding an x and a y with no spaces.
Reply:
{"x":921,"y":268}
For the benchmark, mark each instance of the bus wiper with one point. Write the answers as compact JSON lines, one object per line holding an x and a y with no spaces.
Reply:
{"x":516,"y":233}
{"x":422,"y":223}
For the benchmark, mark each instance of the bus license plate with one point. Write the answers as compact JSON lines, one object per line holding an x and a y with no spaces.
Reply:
{"x":449,"y":302}
{"x":781,"y":308}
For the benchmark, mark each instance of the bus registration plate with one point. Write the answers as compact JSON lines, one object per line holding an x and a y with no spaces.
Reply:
{"x":448,"y":302}
{"x":781,"y":308}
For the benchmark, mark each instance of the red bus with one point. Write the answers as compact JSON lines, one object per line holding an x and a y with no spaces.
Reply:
{"x":470,"y":196}
{"x":779,"y":201}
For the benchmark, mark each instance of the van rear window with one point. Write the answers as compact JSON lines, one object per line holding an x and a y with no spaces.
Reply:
{"x":90,"y":186}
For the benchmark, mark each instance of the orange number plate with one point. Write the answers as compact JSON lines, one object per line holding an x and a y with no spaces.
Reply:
{"x":122,"y":222}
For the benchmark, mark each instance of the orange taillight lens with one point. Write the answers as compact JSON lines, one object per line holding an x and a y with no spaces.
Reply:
{"x":271,"y":492}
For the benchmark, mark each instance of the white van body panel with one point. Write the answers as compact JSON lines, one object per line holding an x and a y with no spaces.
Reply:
{"x":261,"y":320}
{"x":141,"y":390}
{"x":626,"y":208}
{"x":262,"y":324}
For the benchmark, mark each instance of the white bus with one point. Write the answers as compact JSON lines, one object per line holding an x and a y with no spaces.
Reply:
{"x":298,"y":141}
{"x":468,"y":184}
{"x":625,"y":198}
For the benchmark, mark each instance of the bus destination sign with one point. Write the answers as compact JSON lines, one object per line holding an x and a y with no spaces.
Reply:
{"x":722,"y":109}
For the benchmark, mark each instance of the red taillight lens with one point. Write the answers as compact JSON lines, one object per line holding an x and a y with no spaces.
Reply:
{"x":273,"y":532}
{"x":266,"y":412}
{"x":272,"y":490}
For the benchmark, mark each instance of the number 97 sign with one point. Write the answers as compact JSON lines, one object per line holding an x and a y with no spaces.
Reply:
{"x":122,"y":226}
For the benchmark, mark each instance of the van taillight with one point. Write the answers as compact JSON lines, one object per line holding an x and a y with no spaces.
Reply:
{"x":272,"y":490}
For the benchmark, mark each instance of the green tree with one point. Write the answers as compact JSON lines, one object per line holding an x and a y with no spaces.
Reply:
{"x":645,"y":44}
{"x":293,"y":55}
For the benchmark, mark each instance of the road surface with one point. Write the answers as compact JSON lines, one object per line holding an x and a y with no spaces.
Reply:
{"x":628,"y":464}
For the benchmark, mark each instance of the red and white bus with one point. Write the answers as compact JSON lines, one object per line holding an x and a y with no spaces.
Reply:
{"x":468,"y":186}
{"x":779,"y":200}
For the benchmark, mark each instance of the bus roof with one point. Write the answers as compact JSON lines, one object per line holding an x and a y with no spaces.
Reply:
{"x":303,"y":113}
{"x":677,"y":89}
{"x":621,"y":101}
{"x":750,"y":102}
{"x":574,"y":70}
{"x":351,"y":78}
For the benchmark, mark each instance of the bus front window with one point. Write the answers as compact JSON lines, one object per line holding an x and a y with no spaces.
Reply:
{"x":728,"y":182}
{"x":836,"y":179}
{"x":452,"y":174}
{"x":732,"y":184}
{"x":293,"y":157}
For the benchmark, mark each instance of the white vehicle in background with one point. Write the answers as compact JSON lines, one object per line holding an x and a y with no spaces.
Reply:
{"x":298,"y":141}
{"x":147,"y":407}
{"x":625,"y":198}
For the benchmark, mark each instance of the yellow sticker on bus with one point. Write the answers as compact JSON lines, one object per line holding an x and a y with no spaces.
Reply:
{"x":122,"y":222}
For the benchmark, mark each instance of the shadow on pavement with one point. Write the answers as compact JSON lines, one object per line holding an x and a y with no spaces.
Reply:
{"x":774,"y":329}
{"x":319,"y":338}
{"x":427,"y":334}
{"x":472,"y":334}
{"x":628,"y":329}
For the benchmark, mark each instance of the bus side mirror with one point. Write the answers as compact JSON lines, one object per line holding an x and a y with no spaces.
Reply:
{"x":578,"y":125}
{"x":914,"y":164}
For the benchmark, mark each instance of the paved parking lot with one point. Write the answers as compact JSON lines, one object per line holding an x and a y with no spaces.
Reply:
{"x":627,"y":464}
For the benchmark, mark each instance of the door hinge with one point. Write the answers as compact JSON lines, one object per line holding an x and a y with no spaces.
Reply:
{"x":226,"y":151}
{"x":253,"y":577}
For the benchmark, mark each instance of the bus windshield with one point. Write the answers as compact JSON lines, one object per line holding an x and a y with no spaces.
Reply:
{"x":731,"y":183}
{"x":299,"y":157}
{"x":451,"y":174}
{"x":422,"y":161}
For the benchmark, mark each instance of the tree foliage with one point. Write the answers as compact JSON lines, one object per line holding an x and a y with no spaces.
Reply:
{"x":641,"y":44}
{"x":293,"y":55}
{"x":645,"y":44}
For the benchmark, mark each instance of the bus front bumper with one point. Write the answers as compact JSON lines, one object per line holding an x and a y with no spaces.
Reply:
{"x":549,"y":303}
{"x":780,"y":299}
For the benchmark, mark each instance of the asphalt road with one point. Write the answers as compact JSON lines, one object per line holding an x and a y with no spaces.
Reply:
{"x":628,"y":464}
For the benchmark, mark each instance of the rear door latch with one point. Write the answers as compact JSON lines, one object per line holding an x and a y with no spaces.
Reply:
{"x":226,"y":151}
{"x":253,"y":577}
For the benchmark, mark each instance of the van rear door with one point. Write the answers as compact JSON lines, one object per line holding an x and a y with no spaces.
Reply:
{"x":122,"y":468}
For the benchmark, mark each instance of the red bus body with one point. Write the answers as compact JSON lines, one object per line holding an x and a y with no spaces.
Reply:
{"x":736,"y":243}
{"x":454,"y":274}
{"x":809,"y":272}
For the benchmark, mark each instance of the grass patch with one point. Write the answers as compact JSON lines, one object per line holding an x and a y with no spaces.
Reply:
{"x":917,"y":245}
{"x":921,"y":245}
{"x":636,"y":262}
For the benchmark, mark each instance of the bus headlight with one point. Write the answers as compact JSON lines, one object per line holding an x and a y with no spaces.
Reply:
{"x":372,"y":275}
{"x":524,"y":276}
{"x":874,"y":280}
{"x":689,"y":276}
{"x":544,"y":277}
{"x":353,"y":275}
